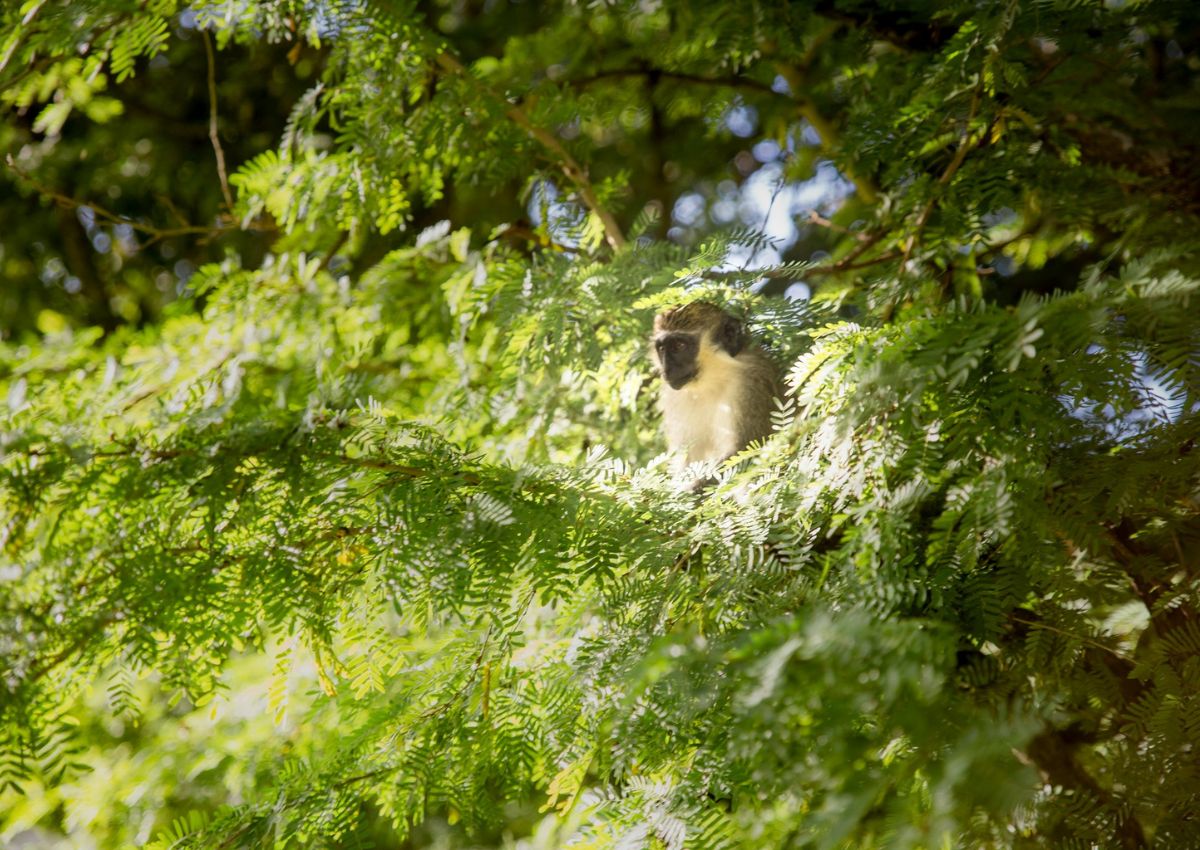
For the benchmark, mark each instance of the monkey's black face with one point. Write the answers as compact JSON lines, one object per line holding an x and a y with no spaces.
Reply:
{"x":677,"y":354}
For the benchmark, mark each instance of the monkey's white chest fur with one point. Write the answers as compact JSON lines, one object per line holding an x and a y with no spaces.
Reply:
{"x":701,"y":418}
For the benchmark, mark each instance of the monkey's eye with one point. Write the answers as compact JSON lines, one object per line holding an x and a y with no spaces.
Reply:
{"x":676,"y":345}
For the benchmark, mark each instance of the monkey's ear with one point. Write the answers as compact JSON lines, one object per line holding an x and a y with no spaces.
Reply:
{"x":731,"y":336}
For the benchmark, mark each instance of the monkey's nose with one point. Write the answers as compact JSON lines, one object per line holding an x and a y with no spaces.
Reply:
{"x":677,"y":379}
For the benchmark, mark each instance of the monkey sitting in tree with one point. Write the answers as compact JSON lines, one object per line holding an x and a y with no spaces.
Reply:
{"x":719,"y":387}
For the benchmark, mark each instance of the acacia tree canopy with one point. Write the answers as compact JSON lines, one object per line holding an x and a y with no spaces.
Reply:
{"x":333,"y":507}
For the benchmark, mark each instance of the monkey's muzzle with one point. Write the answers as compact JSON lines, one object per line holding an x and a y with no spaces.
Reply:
{"x":677,"y":379}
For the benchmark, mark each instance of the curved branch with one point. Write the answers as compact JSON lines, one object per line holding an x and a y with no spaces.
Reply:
{"x":570,"y":167}
{"x":846,"y":264}
{"x":1052,"y":754}
{"x":731,"y":82}
{"x":965,"y":144}
{"x":155,"y":233}
{"x":213,"y":128}
{"x":796,"y":78}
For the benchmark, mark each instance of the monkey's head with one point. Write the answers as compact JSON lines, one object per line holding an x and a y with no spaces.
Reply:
{"x":684,"y":337}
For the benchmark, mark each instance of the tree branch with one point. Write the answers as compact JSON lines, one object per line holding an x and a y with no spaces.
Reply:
{"x":1037,"y":624}
{"x":71,"y":649}
{"x":213,"y":134}
{"x":796,"y":78}
{"x":522,"y":233}
{"x":570,"y":167}
{"x":816,"y":218}
{"x":846,"y":264}
{"x":155,"y":233}
{"x":965,"y":144}
{"x":732,"y":82}
{"x":343,"y":237}
{"x":1054,"y":758}
{"x":907,"y":31}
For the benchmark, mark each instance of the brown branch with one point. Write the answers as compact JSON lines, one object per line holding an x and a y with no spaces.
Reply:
{"x":864,"y":246}
{"x":100,"y":211}
{"x":469,"y":478}
{"x":213,"y":128}
{"x":658,"y":185}
{"x":843,"y":265}
{"x":796,"y":78}
{"x":732,"y":82}
{"x":989,"y":248}
{"x":965,"y":144}
{"x":1149,"y":588}
{"x":155,"y":233}
{"x":1055,"y":759}
{"x":337,"y":246}
{"x":816,"y":218}
{"x":152,"y":391}
{"x":570,"y":167}
{"x":129,"y":448}
{"x":1183,"y":561}
{"x":174,"y":210}
{"x":461,"y":692}
{"x":63,"y":655}
{"x":520,"y":233}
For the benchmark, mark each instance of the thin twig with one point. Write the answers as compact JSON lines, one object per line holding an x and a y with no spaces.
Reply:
{"x":678,"y":76}
{"x":100,"y":211}
{"x":521,"y":233}
{"x":816,"y":218}
{"x":1034,"y":624}
{"x":174,"y":210}
{"x":213,"y":127}
{"x":65,"y":654}
{"x":154,"y":390}
{"x":965,"y":144}
{"x":464,"y":690}
{"x":1023,"y":233}
{"x":863,"y":246}
{"x":567,"y":163}
{"x":1179,"y":552}
{"x":154,"y":232}
{"x":843,"y":265}
{"x":337,"y":246}
{"x":796,"y":78}
{"x":766,"y":218}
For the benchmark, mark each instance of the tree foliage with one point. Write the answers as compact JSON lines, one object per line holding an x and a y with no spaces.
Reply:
{"x":334,"y":510}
